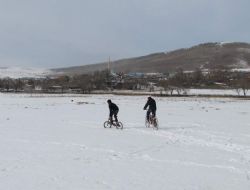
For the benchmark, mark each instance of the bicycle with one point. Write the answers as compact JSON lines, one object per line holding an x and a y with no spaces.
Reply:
{"x":152,"y":122}
{"x":109,"y":124}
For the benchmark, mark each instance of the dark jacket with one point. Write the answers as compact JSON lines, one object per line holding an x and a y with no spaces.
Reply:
{"x":113,"y":107}
{"x":151,"y":103}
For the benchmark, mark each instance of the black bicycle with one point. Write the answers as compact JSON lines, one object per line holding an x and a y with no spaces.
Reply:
{"x":109,"y":124}
{"x":152,"y":122}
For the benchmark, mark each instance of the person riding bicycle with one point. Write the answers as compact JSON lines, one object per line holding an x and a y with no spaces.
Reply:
{"x":113,"y":111}
{"x":152,"y":107}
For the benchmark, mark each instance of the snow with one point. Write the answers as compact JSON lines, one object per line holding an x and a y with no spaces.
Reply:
{"x":243,"y":64}
{"x":192,"y":91}
{"x":58,"y":142}
{"x":244,"y":50}
{"x":224,"y":43}
{"x":221,"y":92}
{"x":242,"y":69}
{"x":18,"y":72}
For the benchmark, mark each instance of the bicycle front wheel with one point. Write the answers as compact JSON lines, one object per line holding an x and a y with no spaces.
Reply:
{"x":107,"y":124}
{"x":147,"y":124}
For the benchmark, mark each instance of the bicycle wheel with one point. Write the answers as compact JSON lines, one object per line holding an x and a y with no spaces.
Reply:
{"x":107,"y":124}
{"x":119,"y":125}
{"x":156,"y":124}
{"x":147,"y":124}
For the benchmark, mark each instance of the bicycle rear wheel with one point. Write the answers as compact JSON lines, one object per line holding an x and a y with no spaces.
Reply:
{"x":119,"y":125}
{"x":156,"y":124}
{"x":107,"y":124}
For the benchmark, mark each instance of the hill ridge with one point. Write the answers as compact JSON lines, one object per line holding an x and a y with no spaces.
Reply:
{"x":234,"y":55}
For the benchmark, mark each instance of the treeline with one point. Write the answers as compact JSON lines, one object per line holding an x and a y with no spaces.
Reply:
{"x":214,"y":79}
{"x":106,"y":80}
{"x":83,"y":83}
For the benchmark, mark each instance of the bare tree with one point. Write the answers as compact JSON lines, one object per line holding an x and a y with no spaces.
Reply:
{"x":241,"y":83}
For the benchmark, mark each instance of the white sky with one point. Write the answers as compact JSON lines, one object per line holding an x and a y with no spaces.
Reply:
{"x":59,"y":33}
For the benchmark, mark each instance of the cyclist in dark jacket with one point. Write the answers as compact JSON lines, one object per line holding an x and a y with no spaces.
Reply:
{"x":152,"y":107}
{"x":113,"y":111}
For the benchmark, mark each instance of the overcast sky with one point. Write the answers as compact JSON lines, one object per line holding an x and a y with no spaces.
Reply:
{"x":59,"y":33}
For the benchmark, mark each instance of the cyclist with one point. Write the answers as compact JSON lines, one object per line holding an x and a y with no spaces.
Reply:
{"x":113,"y":111}
{"x":152,"y":107}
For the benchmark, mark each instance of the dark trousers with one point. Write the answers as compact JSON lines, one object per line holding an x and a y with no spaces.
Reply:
{"x":114,"y":113}
{"x":150,"y":111}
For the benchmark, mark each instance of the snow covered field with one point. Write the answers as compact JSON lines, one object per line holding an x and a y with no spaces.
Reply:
{"x":58,"y":142}
{"x":205,"y":92}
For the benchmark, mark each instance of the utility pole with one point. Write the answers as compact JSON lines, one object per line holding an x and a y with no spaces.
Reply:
{"x":109,"y":74}
{"x":109,"y":65}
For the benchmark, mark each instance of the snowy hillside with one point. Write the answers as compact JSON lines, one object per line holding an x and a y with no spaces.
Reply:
{"x":18,"y":72}
{"x":231,"y":55}
{"x":58,"y":142}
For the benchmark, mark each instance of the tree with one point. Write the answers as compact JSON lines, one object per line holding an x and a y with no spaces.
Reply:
{"x":197,"y":77}
{"x":178,"y":82}
{"x":241,"y":83}
{"x":18,"y":84}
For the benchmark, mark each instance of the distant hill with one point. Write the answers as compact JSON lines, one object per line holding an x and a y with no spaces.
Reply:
{"x":204,"y":56}
{"x":19,"y":72}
